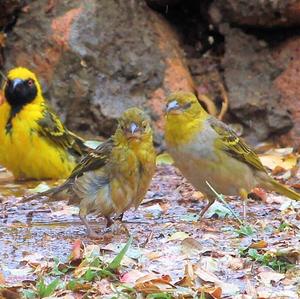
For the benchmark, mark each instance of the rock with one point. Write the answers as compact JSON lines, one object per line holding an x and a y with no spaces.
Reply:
{"x":97,"y":58}
{"x":8,"y":13}
{"x":267,"y":13}
{"x":9,"y":10}
{"x":249,"y":71}
{"x":288,"y":84}
{"x":162,"y":4}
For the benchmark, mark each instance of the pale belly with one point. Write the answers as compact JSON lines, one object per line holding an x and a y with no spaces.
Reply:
{"x":227,"y":176}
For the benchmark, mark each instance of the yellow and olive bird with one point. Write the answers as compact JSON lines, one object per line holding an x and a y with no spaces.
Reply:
{"x":207,"y":150}
{"x":34,"y":144}
{"x":116,"y":175}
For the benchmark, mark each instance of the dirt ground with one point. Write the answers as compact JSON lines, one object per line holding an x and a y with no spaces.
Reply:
{"x":173,"y":253}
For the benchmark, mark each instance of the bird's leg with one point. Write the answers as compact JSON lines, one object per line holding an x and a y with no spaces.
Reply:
{"x":244,"y":196}
{"x":109,"y":222}
{"x":120,"y":217}
{"x":211,"y":200}
{"x":90,"y":232}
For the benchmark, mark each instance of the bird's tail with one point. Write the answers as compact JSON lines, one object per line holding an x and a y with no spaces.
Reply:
{"x":50,"y":193}
{"x":283,"y":190}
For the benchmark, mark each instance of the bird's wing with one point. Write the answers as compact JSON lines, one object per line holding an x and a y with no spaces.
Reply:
{"x":52,"y":128}
{"x":229,"y":141}
{"x":95,"y":159}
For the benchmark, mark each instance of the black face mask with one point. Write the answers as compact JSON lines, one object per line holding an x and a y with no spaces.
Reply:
{"x":20,"y":92}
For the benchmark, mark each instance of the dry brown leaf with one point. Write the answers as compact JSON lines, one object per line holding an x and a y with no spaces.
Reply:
{"x":150,"y":283}
{"x":190,"y":246}
{"x":259,"y":244}
{"x":207,"y":276}
{"x":131,"y":276}
{"x":2,"y":278}
{"x":213,"y":292}
{"x":268,"y":277}
{"x":261,"y":193}
{"x":77,"y":252}
{"x":188,"y":279}
{"x":236,"y":263}
{"x":7,"y":293}
{"x":283,"y":158}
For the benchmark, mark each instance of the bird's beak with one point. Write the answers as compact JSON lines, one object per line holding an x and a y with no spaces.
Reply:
{"x":171,"y":106}
{"x":133,"y":128}
{"x":16,"y":82}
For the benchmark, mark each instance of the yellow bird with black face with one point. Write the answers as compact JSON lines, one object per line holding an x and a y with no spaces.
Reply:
{"x":116,"y":175}
{"x":207,"y":150}
{"x":34,"y":144}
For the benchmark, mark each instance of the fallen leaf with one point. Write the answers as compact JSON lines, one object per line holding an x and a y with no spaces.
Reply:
{"x":151,"y":283}
{"x":284,"y":158}
{"x":218,"y":209}
{"x":77,"y":252}
{"x":164,"y":159}
{"x":2,"y":278}
{"x":43,"y":186}
{"x":213,"y":292}
{"x":259,"y":244}
{"x":270,"y":276}
{"x":7,"y":293}
{"x":178,"y":236}
{"x":260,"y":193}
{"x":207,"y":276}
{"x":190,"y":246}
{"x":188,"y":279}
{"x":131,"y":276}
{"x":236,"y":263}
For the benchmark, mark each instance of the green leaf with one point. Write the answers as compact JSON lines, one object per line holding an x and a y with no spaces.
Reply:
{"x":89,"y":275}
{"x":116,"y":262}
{"x":43,"y":186}
{"x":164,"y":159}
{"x":47,"y":290}
{"x":159,"y":296}
{"x":245,"y":231}
{"x":29,"y":294}
{"x":218,"y":209}
{"x":41,"y":287}
{"x":105,"y":273}
{"x":190,"y":217}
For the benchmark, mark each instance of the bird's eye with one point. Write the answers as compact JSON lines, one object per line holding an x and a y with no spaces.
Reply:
{"x":144,"y":125}
{"x":30,"y":82}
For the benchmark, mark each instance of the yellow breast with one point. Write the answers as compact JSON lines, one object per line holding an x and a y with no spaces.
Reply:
{"x":25,"y":152}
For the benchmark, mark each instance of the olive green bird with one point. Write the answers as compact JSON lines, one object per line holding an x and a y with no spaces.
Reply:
{"x":116,"y":175}
{"x":207,"y":150}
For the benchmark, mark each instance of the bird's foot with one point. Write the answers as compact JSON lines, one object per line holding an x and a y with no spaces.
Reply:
{"x":118,"y":227}
{"x":93,"y":235}
{"x":204,"y":210}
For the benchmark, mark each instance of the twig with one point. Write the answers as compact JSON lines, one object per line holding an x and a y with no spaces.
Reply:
{"x":210,"y":105}
{"x":225,"y":103}
{"x":220,"y":197}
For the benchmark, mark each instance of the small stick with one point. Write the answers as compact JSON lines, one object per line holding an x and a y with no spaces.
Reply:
{"x":225,"y":103}
{"x":3,"y":76}
{"x":220,"y":197}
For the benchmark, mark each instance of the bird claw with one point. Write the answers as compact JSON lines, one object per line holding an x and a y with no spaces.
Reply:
{"x":118,"y":227}
{"x":93,"y":235}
